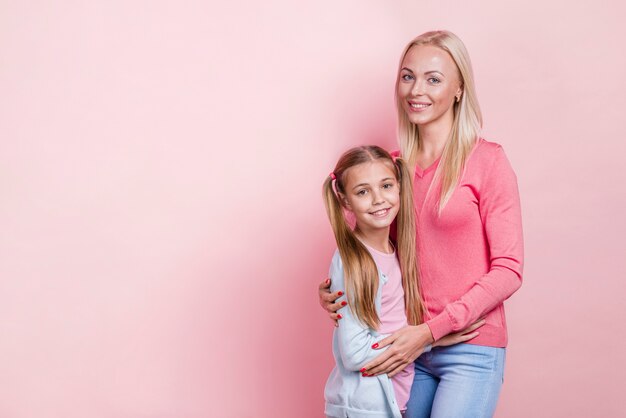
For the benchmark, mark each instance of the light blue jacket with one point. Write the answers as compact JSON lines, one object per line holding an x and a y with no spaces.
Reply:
{"x":347,"y":393}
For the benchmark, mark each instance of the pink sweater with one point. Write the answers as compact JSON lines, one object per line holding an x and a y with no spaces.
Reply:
{"x":471,"y":256}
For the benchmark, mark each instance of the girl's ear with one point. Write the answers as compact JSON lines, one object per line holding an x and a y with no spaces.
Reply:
{"x":344,"y":201}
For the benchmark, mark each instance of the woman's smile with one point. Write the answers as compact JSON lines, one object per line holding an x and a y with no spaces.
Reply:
{"x":415,"y":106}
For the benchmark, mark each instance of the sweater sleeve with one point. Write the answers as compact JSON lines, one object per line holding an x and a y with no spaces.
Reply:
{"x":354,"y":339}
{"x":500,"y":212}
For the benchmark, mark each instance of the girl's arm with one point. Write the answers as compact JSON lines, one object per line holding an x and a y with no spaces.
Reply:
{"x":355,"y":340}
{"x":499,"y":208}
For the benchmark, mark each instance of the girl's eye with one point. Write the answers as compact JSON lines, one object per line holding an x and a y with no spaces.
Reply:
{"x":387,"y":185}
{"x":407,"y":77}
{"x":361,"y":192}
{"x":434,"y":80}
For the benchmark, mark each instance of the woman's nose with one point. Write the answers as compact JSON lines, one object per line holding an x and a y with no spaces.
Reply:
{"x":418,"y":88}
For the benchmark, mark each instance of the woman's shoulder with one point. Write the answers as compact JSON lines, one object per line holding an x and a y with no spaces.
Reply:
{"x":485,"y":152}
{"x":487,"y":147}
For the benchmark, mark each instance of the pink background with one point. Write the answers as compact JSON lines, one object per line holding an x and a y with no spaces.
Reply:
{"x":163,"y":232}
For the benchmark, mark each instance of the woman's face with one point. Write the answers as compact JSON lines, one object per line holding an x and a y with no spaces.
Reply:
{"x":428,"y":83}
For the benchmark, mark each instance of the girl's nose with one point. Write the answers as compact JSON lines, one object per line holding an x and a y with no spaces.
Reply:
{"x":377,"y":198}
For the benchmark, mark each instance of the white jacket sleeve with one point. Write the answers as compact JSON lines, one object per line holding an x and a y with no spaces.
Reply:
{"x":354,"y":339}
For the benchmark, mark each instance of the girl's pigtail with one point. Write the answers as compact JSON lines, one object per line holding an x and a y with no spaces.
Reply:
{"x":407,"y":254}
{"x":360,"y":271}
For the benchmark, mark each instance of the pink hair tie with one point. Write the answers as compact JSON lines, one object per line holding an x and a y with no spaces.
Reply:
{"x":332,"y":176}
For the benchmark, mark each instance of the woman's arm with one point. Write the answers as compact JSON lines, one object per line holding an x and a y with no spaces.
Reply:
{"x":407,"y":345}
{"x":500,"y":212}
{"x":499,"y":208}
{"x":328,"y":300}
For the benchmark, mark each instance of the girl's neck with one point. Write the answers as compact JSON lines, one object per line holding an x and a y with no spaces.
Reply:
{"x":378,"y":239}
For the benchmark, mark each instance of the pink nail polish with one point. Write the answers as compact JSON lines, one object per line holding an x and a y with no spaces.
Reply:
{"x":375,"y":345}
{"x":340,"y":293}
{"x":339,"y":316}
{"x":344,"y":303}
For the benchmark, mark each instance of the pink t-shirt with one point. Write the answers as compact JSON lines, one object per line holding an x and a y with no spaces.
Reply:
{"x":393,"y":316}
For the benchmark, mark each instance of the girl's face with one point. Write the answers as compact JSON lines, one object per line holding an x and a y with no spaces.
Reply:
{"x":428,"y":83}
{"x":372,"y":194}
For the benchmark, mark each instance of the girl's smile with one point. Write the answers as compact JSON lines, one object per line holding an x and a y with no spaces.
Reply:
{"x":372,"y":194}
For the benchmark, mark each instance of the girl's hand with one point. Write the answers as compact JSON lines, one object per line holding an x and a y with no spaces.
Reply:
{"x":327,"y":301}
{"x":461,"y":336}
{"x":406,"y":345}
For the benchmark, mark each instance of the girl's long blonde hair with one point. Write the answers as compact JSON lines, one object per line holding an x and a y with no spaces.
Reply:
{"x":360,"y":271}
{"x":467,"y":117}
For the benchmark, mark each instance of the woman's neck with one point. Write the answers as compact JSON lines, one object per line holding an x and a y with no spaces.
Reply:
{"x":378,"y":239}
{"x":433,"y":136}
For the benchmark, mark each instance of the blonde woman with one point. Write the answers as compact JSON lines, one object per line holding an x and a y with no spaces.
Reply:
{"x":469,"y":236}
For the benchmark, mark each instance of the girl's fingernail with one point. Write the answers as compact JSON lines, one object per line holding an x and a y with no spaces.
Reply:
{"x":340,"y":293}
{"x":339,"y":316}
{"x":362,"y":370}
{"x":344,"y":303}
{"x":375,"y":345}
{"x":365,"y":375}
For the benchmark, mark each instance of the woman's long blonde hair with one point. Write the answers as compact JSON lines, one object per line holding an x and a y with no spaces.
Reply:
{"x":467,"y":117}
{"x":360,"y":271}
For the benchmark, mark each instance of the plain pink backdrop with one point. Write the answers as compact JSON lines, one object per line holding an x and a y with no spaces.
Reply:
{"x":163,"y":232}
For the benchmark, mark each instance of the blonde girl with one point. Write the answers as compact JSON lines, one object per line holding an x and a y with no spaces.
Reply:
{"x":380,"y":280}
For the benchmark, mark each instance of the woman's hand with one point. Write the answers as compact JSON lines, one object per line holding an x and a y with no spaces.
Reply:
{"x":327,"y":301}
{"x":461,"y":336}
{"x":406,"y":345}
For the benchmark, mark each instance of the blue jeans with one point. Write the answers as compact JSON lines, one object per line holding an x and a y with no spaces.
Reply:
{"x":462,"y":380}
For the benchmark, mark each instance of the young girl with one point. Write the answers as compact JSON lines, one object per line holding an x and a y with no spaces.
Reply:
{"x":380,"y":280}
{"x":381,"y":286}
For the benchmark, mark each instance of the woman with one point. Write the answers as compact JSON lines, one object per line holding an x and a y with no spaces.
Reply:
{"x":470,"y":249}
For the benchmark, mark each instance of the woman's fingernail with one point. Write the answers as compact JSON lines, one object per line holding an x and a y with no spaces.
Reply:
{"x":344,"y":303}
{"x":339,"y":316}
{"x":327,"y":281}
{"x":340,"y":293}
{"x":362,"y":370}
{"x":365,"y":375}
{"x":375,"y":345}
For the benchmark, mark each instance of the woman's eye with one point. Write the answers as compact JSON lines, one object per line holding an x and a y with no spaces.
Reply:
{"x":361,"y":192}
{"x":434,"y":80}
{"x":387,"y":185}
{"x":407,"y":77}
